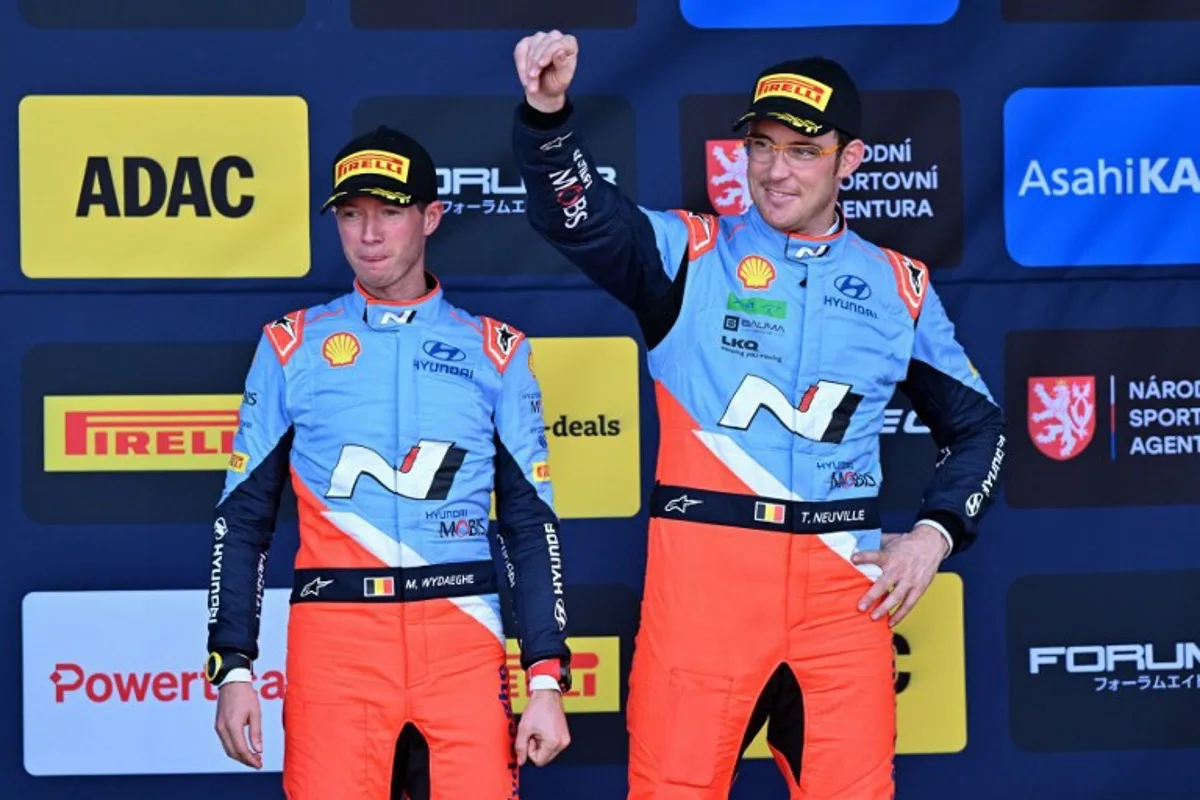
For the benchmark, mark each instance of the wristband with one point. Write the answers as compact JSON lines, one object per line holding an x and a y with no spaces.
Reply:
{"x":227,"y":667}
{"x":549,"y":673}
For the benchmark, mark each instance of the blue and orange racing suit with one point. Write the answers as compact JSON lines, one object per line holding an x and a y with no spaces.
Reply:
{"x":773,"y":357}
{"x":395,"y":421}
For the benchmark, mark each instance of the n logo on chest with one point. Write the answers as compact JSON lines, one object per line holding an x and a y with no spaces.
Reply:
{"x":427,"y":472}
{"x":823,"y":414}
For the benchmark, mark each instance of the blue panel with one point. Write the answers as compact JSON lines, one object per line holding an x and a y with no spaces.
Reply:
{"x":791,"y":14}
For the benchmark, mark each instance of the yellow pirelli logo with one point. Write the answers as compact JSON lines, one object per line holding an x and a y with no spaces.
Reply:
{"x":595,"y":676}
{"x":118,"y":433}
{"x":371,"y":162}
{"x":794,"y":87}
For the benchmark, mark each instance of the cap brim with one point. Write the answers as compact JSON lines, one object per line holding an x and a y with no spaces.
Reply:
{"x":810,"y":125}
{"x":386,"y":195}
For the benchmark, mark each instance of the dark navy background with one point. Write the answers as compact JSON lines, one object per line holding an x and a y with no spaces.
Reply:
{"x":646,"y":55}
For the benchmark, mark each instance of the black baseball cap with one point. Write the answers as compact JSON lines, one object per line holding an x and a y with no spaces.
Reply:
{"x":809,"y":95}
{"x":387,"y":164}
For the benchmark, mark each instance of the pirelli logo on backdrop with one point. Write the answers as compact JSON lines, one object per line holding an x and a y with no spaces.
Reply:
{"x":139,"y":432}
{"x":134,"y":433}
{"x":595,"y":676}
{"x":164,"y":187}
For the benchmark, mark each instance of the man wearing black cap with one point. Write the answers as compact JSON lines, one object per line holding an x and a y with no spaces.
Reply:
{"x":775,"y":339}
{"x":395,"y":415}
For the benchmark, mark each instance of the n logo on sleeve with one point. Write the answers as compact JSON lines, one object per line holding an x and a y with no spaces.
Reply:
{"x":823,"y":414}
{"x":427,"y":472}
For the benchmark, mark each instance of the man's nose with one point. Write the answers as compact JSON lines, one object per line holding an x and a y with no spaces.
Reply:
{"x":779,"y":168}
{"x":372,"y":229}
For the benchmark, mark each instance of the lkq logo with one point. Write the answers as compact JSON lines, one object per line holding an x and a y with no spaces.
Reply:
{"x":1123,"y":678}
{"x":1086,"y":194}
{"x":748,"y":346}
{"x":1111,"y":417}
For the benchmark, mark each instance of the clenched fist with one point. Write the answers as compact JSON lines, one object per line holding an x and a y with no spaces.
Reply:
{"x":545,"y":65}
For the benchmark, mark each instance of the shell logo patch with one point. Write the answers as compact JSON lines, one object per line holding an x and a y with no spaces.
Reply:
{"x":341,"y":349}
{"x":755,"y":272}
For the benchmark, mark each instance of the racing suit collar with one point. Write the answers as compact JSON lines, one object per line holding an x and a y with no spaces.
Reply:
{"x":390,"y":315}
{"x":798,"y":247}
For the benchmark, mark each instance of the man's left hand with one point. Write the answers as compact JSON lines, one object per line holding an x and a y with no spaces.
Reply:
{"x":543,"y":732}
{"x":909,"y":562}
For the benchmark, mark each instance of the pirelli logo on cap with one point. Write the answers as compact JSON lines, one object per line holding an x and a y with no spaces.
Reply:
{"x":164,"y":187}
{"x":144,"y":433}
{"x":371,"y":162}
{"x":794,"y":87}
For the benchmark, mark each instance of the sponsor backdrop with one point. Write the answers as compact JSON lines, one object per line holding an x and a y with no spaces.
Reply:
{"x":162,"y":168}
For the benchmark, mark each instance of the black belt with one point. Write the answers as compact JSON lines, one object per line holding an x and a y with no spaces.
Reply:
{"x":393,"y":584}
{"x":762,"y":513}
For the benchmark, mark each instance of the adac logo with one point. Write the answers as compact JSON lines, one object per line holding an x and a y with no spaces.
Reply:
{"x":853,"y":287}
{"x":755,"y":272}
{"x":341,"y":349}
{"x":1062,"y":415}
{"x":163,"y":187}
{"x":725,"y":166}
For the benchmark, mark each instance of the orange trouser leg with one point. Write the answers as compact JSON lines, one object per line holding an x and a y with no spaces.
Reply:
{"x":336,"y":749}
{"x":844,"y":664}
{"x":686,"y":725}
{"x":344,"y":707}
{"x":466,"y":718}
{"x":707,"y":645}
